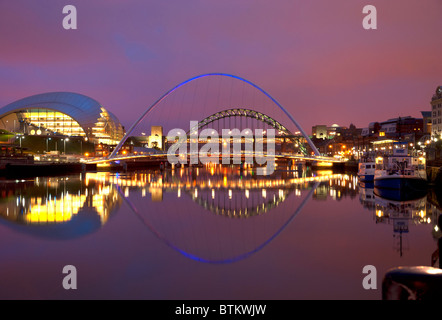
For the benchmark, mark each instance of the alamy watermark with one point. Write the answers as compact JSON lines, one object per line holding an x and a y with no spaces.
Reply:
{"x":70,"y":280}
{"x":369,"y":21}
{"x":370,"y":280}
{"x":259,"y":147}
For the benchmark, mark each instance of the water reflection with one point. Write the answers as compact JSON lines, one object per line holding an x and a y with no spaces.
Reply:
{"x":232,"y":192}
{"x":60,"y":208}
{"x":402,"y":214}
{"x":216,"y":214}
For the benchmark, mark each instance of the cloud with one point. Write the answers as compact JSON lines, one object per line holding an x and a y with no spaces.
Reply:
{"x":313,"y":54}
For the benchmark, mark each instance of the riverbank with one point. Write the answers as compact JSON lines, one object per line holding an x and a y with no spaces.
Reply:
{"x":48,"y":168}
{"x":41,"y":169}
{"x":434,"y":175}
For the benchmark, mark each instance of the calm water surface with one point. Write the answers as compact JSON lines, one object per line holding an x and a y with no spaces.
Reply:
{"x":206,"y":233}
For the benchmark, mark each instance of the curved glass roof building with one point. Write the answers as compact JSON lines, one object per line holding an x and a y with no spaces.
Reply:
{"x":62,"y":113}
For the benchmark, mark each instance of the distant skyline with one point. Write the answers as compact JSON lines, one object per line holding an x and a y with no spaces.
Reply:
{"x":313,"y":57}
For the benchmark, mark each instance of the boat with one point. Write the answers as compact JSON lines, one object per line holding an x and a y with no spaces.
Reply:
{"x":366,"y":196}
{"x":366,"y":169}
{"x":400,"y":214}
{"x":11,"y":154}
{"x":401,"y":175}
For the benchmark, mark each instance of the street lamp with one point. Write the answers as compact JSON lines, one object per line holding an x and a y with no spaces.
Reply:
{"x":64,"y":143}
{"x":47,"y":144}
{"x":20,"y":138}
{"x":81,"y":144}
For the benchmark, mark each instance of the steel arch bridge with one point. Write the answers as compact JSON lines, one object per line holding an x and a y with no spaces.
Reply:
{"x":247,"y":113}
{"x":282,"y":131}
{"x":149,"y":109}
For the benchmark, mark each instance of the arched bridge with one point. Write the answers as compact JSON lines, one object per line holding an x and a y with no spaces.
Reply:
{"x":281,"y":130}
{"x":246,"y":113}
{"x":241,"y":112}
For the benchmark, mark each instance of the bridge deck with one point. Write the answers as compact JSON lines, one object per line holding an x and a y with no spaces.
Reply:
{"x":163,"y":157}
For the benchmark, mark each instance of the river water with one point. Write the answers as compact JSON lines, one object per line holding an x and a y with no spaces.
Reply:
{"x":207,"y":233}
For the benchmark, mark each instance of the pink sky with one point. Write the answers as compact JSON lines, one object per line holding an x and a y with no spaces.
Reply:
{"x":313,"y":57}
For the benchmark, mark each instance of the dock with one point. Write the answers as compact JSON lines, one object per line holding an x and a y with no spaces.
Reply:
{"x":40,"y":169}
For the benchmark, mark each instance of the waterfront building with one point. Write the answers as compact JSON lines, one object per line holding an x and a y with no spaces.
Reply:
{"x":398,"y":127}
{"x":436,"y":112}
{"x":319,"y":131}
{"x":427,"y":122}
{"x":62,"y":114}
{"x":325,"y":132}
{"x":384,"y":146}
{"x":372,"y":129}
{"x":339,"y":141}
{"x":156,"y":138}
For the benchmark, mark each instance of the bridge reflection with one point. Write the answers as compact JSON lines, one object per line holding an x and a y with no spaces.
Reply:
{"x":219,"y":214}
{"x":215,"y":198}
{"x":229,"y":190}
{"x":215,"y":214}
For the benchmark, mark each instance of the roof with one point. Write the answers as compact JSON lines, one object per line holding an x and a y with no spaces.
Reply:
{"x":81,"y":108}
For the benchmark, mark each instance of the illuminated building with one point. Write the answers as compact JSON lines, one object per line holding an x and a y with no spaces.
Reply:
{"x":385,"y":145}
{"x":401,"y":126}
{"x":62,"y":113}
{"x":319,"y":131}
{"x":156,"y":139}
{"x":436,"y":108}
{"x":325,"y":132}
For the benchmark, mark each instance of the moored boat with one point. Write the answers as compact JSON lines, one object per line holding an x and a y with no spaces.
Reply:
{"x":366,"y":169}
{"x":366,"y":196}
{"x":12,"y":154}
{"x":402,"y":172}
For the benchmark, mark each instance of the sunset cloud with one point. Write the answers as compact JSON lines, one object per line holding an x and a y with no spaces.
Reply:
{"x":314,"y":57}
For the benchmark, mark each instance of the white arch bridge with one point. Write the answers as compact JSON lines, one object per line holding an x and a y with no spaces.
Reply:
{"x":299,"y":144}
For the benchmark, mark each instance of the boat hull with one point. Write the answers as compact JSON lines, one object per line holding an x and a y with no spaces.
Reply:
{"x":366,"y":177}
{"x":400,"y":187}
{"x":399,"y":194}
{"x":366,"y":184}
